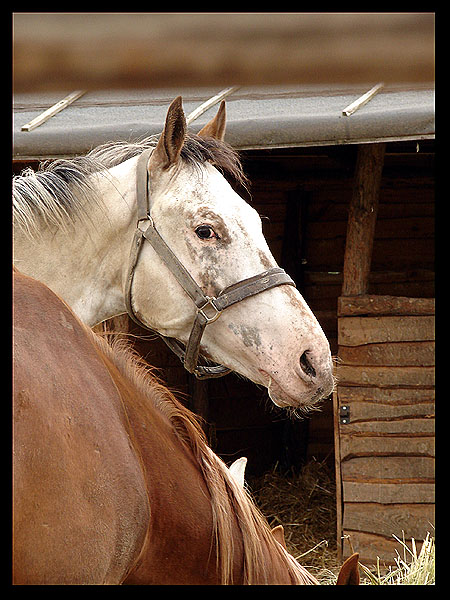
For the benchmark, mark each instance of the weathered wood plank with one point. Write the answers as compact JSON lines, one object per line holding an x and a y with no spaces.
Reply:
{"x":401,"y":286}
{"x":415,"y":520}
{"x":337,"y":469}
{"x":370,"y":546}
{"x":404,"y":254}
{"x":416,"y":427}
{"x":388,"y":493}
{"x":385,"y":376}
{"x":385,"y":305}
{"x":388,"y":467}
{"x":389,"y":396}
{"x":352,"y":445}
{"x":396,"y":354}
{"x":355,"y":331}
{"x":369,"y":411}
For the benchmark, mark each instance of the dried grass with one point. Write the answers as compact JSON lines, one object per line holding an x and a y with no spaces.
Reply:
{"x":305,"y":504}
{"x":412,"y":569}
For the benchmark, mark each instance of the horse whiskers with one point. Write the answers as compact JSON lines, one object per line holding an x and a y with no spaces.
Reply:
{"x":336,"y":359}
{"x":302,"y":410}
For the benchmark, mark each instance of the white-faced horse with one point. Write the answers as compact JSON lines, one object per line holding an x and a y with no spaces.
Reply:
{"x":156,"y":230}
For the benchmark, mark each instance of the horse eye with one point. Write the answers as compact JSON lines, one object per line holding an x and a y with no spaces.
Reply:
{"x":205,"y":232}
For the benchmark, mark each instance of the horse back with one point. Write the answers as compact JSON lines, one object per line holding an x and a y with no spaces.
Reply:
{"x":80,"y":503}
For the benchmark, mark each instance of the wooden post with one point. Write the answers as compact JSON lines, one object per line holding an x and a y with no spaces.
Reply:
{"x":362,"y":218}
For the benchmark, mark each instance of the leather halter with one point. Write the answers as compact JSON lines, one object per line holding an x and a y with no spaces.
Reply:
{"x":208,"y":308}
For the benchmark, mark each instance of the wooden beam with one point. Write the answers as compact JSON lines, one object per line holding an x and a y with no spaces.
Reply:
{"x":384,"y":305}
{"x":53,"y":110}
{"x":356,"y":331}
{"x":67,"y":51}
{"x":362,"y":218}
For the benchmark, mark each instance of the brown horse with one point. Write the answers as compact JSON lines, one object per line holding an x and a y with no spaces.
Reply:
{"x":113,"y":479}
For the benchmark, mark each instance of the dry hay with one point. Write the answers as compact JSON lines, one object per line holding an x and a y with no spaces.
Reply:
{"x":304,"y":504}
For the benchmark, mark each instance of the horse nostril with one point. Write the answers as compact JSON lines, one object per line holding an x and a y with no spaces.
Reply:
{"x":306,"y":365}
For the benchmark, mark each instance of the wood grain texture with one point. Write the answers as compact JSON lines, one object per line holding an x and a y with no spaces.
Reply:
{"x":390,"y":519}
{"x":388,"y":493}
{"x":371,"y":546}
{"x":355,"y":331}
{"x":362,"y":218}
{"x":387,"y":445}
{"x":109,"y":50}
{"x":385,"y":305}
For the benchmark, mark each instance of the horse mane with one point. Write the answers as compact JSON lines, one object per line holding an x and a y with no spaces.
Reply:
{"x":227,"y":497}
{"x":60,"y":191}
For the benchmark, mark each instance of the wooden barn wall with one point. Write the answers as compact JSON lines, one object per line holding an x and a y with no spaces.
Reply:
{"x":303,"y":197}
{"x":385,"y":417}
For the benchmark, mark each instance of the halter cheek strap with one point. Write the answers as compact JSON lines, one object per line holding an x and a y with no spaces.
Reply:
{"x":209,"y":308}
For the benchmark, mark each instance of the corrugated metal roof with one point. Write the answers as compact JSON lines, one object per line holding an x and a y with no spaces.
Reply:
{"x":257,"y":117}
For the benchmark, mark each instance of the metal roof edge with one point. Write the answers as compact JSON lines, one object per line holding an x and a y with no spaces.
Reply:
{"x":330,"y":142}
{"x":276,"y":146}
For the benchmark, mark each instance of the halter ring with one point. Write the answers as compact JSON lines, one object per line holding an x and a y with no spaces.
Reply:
{"x":209,"y":305}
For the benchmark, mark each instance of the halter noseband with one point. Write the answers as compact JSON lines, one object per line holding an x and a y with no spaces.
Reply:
{"x":208,"y":308}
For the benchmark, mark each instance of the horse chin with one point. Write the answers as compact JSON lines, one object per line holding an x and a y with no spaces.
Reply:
{"x":301,"y":404}
{"x":279,"y":397}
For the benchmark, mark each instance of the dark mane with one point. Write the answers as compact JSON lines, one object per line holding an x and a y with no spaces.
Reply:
{"x":198,"y":150}
{"x":60,"y":190}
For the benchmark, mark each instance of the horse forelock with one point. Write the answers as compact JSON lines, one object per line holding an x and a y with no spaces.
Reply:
{"x":230,"y":503}
{"x":198,"y":150}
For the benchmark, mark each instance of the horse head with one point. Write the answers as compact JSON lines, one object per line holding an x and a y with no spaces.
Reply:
{"x":272,"y":337}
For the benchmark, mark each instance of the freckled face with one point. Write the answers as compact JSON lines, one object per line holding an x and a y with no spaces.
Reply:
{"x":218,"y":238}
{"x":219,"y":234}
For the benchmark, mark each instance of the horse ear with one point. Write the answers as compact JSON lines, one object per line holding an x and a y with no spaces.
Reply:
{"x":278,"y":534}
{"x":349,"y":574}
{"x":216,"y":127}
{"x":170,"y":143}
{"x":237,"y":470}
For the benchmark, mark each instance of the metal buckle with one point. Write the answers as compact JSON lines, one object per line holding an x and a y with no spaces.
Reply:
{"x":209,"y":304}
{"x":147,"y":219}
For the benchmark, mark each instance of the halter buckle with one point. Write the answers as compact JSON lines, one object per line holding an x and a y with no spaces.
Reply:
{"x":209,"y":304}
{"x":143,"y":220}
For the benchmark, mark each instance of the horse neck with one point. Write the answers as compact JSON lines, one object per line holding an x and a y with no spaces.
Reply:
{"x":211,"y":509}
{"x":86,"y":265}
{"x":230,"y":543}
{"x":178,"y":542}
